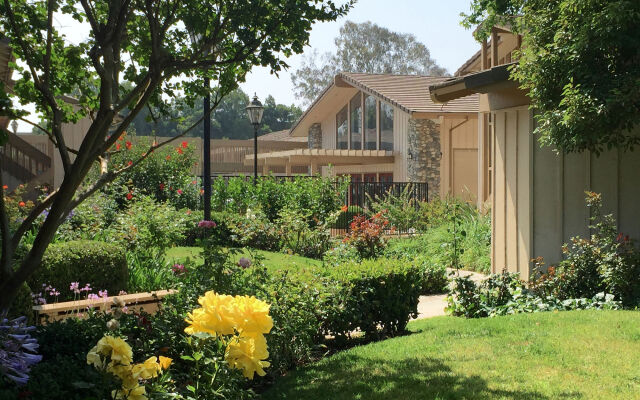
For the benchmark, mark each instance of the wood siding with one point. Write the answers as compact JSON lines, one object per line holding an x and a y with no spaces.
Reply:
{"x":459,"y":164}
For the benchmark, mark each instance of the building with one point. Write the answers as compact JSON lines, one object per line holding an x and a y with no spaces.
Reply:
{"x":537,"y":193}
{"x":383,"y":128}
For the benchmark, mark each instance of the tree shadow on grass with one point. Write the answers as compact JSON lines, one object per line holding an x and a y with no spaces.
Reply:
{"x":361,"y":378}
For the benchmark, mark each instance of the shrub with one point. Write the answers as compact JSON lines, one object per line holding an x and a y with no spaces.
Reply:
{"x":297,"y":237}
{"x":607,"y":262}
{"x":504,"y":294}
{"x":374,"y":294}
{"x":434,"y":277}
{"x":402,"y":210}
{"x":103,"y":265}
{"x":366,"y":234}
{"x":340,"y":254}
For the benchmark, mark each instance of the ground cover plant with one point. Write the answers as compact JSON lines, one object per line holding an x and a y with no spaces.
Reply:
{"x":574,"y":354}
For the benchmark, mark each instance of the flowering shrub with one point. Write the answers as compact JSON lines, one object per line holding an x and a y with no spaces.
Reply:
{"x":240,"y":322}
{"x":366,"y":234}
{"x":17,"y":350}
{"x":114,"y":356}
{"x":607,"y":261}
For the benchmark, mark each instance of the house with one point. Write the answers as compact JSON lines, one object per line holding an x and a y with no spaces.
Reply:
{"x":537,"y":193}
{"x":384,"y":128}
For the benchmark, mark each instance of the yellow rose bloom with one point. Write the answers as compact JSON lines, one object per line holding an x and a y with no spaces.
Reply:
{"x":146,"y":370}
{"x":253,"y":315}
{"x":93,"y":358}
{"x":164,"y":362}
{"x":136,"y":393}
{"x":247,"y":353}
{"x":217,"y":316}
{"x":117,"y":348}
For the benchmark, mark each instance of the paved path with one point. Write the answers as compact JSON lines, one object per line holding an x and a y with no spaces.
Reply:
{"x":433,"y":306}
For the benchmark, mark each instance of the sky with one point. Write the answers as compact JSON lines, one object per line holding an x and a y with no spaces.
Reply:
{"x":435,"y":23}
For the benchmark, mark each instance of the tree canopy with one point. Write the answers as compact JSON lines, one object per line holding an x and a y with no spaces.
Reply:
{"x":136,"y":53}
{"x":228,"y":121}
{"x":580,"y":65}
{"x":364,"y":47}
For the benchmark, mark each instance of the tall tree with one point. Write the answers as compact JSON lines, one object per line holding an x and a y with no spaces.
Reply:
{"x":364,"y":47}
{"x":148,"y":44}
{"x":580,"y":66}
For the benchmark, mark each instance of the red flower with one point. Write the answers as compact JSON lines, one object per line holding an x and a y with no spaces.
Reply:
{"x":117,"y":146}
{"x":168,"y":158}
{"x":161,"y":186}
{"x":195,"y":164}
{"x":179,"y":150}
{"x":185,"y":145}
{"x":193,"y":182}
{"x":129,"y":145}
{"x":21,"y":204}
{"x":130,"y":163}
{"x":344,"y":209}
{"x":201,"y":191}
{"x":121,"y":138}
{"x":188,"y":212}
{"x":129,"y":196}
{"x":5,"y":187}
{"x":179,"y":191}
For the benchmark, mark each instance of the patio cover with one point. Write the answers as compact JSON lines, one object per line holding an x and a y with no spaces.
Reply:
{"x":322,"y":157}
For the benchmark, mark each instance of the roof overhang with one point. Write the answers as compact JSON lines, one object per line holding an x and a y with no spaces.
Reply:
{"x":322,"y":157}
{"x":494,"y":79}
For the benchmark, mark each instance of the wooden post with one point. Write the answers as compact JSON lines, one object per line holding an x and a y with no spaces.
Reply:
{"x":483,"y":55}
{"x":494,"y":47}
{"x":314,"y":168}
{"x":265,"y":169}
{"x":287,"y":169}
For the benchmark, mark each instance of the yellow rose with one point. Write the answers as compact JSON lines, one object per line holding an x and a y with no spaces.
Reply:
{"x":93,"y":358}
{"x":117,"y":348}
{"x":164,"y":362}
{"x":247,"y":353}
{"x":146,"y":370}
{"x":217,"y":316}
{"x":136,"y":393}
{"x":253,"y":315}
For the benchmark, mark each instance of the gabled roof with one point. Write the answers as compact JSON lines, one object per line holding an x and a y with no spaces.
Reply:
{"x":282,"y":136}
{"x":409,"y":93}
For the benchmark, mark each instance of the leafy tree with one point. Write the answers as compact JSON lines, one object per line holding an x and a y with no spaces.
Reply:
{"x":580,"y":65}
{"x":364,"y":47}
{"x":146,"y":44}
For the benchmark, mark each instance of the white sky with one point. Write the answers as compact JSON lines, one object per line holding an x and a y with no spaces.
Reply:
{"x":435,"y":23}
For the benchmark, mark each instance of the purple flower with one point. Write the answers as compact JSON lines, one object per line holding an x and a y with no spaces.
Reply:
{"x":86,"y":288}
{"x":17,"y":349}
{"x":206,"y":224}
{"x":122,"y":293}
{"x":93,"y":296}
{"x":75,"y":287}
{"x":244,"y":262}
{"x":103,"y":293}
{"x":178,"y":269}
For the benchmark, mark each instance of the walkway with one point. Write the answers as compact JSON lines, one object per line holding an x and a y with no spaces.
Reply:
{"x":433,"y":306}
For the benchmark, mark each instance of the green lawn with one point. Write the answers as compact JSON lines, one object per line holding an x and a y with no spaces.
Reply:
{"x":273,"y":261}
{"x":567,"y":355}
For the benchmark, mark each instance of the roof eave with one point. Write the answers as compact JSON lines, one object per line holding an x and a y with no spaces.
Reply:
{"x":480,"y":82}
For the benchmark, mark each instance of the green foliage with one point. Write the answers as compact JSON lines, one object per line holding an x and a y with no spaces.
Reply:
{"x":103,"y":265}
{"x":365,"y":235}
{"x":341,"y":253}
{"x":579,"y":63}
{"x":297,"y":237}
{"x":346,"y":216}
{"x":364,"y":47}
{"x":608,"y":262}
{"x":372,"y":295}
{"x":402,"y":210}
{"x":505,"y":294}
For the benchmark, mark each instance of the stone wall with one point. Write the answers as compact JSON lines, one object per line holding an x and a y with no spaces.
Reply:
{"x":315,"y":136}
{"x":423,"y":163}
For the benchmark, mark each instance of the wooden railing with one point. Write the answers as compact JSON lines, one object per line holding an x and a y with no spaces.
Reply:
{"x":22,"y":160}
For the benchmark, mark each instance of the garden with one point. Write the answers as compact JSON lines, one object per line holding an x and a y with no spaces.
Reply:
{"x":266,"y":300}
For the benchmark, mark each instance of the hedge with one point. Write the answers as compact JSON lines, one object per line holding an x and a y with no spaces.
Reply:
{"x":102,"y":265}
{"x":375,"y":296}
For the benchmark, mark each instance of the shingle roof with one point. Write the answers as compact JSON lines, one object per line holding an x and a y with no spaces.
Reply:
{"x":282,"y":136}
{"x":409,"y":92}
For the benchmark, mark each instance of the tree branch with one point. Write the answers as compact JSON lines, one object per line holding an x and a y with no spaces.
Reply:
{"x":28,"y":222}
{"x":7,"y":253}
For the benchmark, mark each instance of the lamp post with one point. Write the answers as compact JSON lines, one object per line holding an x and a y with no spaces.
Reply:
{"x":206,"y":138}
{"x":255,"y":110}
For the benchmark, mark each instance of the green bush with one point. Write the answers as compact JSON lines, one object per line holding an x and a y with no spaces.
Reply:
{"x":103,"y":265}
{"x":346,"y":216}
{"x":381,"y":293}
{"x":434,"y":277}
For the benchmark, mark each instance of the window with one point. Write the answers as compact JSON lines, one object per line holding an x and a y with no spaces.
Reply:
{"x":386,"y":126}
{"x":342,"y":132}
{"x":370,"y":124}
{"x":356,"y":122}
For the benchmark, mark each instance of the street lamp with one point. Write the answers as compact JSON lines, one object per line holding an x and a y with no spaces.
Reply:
{"x":206,"y":138}
{"x":255,"y":110}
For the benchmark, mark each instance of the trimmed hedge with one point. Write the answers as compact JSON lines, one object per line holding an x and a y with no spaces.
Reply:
{"x":100,"y":264}
{"x":375,"y":296}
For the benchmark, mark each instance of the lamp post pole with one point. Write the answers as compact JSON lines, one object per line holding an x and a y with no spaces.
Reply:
{"x":255,"y":154}
{"x":206,"y":157}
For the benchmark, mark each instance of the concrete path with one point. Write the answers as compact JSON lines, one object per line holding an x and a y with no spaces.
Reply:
{"x":433,"y":306}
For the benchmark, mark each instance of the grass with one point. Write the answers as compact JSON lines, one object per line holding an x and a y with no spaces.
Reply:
{"x":567,"y":355}
{"x":273,"y":261}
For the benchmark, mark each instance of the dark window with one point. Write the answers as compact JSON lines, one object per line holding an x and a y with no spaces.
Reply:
{"x":370,"y":124}
{"x":342,"y":132}
{"x":356,"y":122}
{"x":386,"y":126}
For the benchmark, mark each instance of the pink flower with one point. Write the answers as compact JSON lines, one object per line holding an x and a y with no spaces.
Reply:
{"x":93,"y":296}
{"x":244,"y":263}
{"x":206,"y":224}
{"x":103,"y":293}
{"x":122,"y":293}
{"x":75,"y":287}
{"x":178,"y":269}
{"x":86,"y":288}
{"x":179,"y":191}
